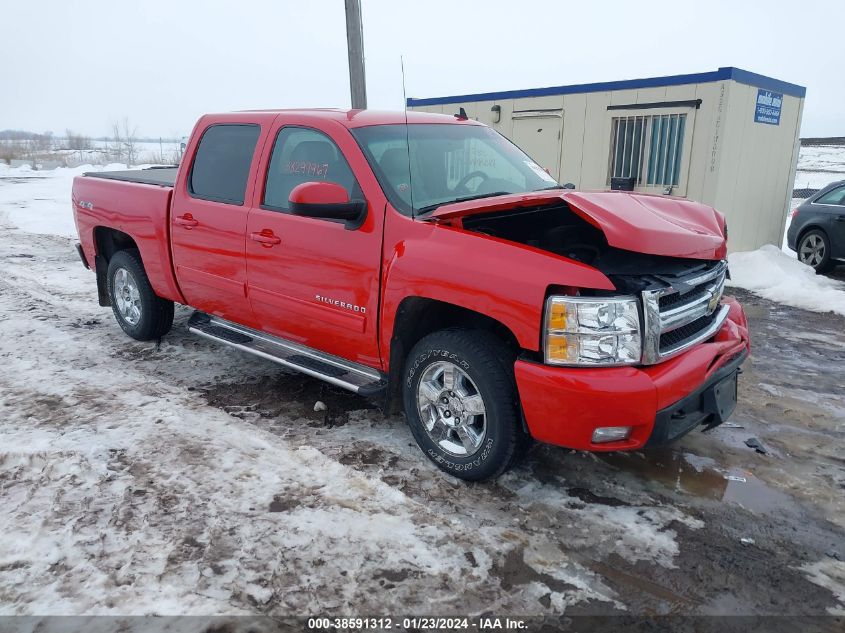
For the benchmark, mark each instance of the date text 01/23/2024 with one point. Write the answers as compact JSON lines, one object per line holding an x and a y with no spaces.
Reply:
{"x":417,"y":624}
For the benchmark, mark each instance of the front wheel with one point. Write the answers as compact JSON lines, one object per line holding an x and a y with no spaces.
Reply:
{"x":141,"y":313}
{"x":461,"y":403}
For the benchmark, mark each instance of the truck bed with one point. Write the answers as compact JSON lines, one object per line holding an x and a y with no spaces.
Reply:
{"x":163,"y":176}
{"x":136,"y":203}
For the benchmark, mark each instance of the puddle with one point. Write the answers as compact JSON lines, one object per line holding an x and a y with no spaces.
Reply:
{"x":694,"y":475}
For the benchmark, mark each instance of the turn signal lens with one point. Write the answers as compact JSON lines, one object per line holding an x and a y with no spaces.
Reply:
{"x":562,"y":347}
{"x":557,"y":316}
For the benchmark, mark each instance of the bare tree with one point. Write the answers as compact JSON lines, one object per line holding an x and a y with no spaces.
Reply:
{"x":116,"y":145}
{"x":76,"y":141}
{"x":9,"y":150}
{"x":124,"y":141}
{"x":42,"y":142}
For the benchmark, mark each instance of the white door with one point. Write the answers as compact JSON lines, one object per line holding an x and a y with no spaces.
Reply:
{"x":538,"y":134}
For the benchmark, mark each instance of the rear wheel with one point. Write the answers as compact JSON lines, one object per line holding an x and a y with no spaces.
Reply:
{"x":141,"y":313}
{"x":461,"y":403}
{"x":814,"y":250}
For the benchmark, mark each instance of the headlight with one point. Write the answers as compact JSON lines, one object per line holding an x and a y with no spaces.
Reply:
{"x":592,"y":331}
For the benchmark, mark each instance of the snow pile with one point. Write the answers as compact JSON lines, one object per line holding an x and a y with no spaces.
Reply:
{"x":39,"y":201}
{"x":774,"y":275}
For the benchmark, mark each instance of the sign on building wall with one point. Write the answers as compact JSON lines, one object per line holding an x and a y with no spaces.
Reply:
{"x":768,"y":107}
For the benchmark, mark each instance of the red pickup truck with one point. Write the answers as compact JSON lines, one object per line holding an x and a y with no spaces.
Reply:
{"x":426,"y":260}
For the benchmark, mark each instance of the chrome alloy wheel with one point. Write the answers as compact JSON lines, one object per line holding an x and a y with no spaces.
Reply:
{"x":127,"y":296}
{"x":811,"y":251}
{"x":451,"y":409}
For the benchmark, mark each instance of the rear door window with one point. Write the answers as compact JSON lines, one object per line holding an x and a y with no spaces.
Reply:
{"x":221,"y":166}
{"x":305,"y":155}
{"x":834,"y":196}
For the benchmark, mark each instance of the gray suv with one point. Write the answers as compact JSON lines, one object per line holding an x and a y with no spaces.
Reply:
{"x":817,"y":229}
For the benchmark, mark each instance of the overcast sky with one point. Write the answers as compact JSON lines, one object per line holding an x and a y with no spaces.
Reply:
{"x":83,"y":64}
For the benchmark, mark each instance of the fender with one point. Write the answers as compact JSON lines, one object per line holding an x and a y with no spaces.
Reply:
{"x":143,"y":216}
{"x":506,"y":281}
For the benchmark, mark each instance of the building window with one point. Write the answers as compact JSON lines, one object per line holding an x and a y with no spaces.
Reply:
{"x":648,"y":149}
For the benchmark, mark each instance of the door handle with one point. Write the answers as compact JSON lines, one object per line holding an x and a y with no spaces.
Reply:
{"x":186,"y":220}
{"x":265,"y":238}
{"x":840,"y":218}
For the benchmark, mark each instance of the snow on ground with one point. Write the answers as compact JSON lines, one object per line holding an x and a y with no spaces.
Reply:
{"x":778,"y":276}
{"x":103,"y":152}
{"x":819,"y":165}
{"x":43,"y":205}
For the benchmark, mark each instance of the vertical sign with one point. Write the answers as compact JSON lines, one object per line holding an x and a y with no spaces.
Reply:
{"x":768,"y":105}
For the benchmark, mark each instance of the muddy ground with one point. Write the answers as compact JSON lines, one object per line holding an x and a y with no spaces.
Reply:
{"x":789,"y":501}
{"x":185,"y":478}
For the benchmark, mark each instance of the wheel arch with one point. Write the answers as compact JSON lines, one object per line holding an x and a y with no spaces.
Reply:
{"x":418,"y":316}
{"x":107,"y":242}
{"x":813,"y":226}
{"x":153,"y":251}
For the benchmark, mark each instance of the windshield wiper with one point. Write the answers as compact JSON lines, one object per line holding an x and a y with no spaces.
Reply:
{"x":434,"y":207}
{"x":550,"y":188}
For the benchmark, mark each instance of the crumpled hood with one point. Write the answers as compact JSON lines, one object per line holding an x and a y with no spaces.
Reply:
{"x":643,"y":223}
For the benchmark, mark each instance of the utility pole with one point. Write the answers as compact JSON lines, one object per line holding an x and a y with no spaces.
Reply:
{"x":355,"y":46}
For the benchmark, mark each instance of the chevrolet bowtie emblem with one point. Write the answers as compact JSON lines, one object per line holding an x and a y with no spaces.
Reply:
{"x":713,"y":303}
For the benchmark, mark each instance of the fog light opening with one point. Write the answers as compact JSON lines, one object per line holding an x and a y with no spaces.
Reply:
{"x":611,"y":434}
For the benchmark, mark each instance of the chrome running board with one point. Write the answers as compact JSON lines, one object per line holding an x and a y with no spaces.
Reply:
{"x":334,"y":370}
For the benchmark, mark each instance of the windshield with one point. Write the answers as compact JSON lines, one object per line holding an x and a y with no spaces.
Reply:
{"x":448,"y":163}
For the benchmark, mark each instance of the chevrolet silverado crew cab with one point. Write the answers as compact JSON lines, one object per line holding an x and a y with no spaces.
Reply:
{"x":425,"y":260}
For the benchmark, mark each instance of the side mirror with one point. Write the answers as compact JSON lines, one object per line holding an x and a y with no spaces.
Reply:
{"x":325,"y":200}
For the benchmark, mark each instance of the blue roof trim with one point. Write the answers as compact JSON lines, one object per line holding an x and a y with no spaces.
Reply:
{"x":767,"y":83}
{"x":727,"y":72}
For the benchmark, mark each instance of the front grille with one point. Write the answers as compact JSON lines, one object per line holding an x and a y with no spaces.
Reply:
{"x":667,"y":301}
{"x":677,"y":337}
{"x":683,"y":314}
{"x":676,"y":298}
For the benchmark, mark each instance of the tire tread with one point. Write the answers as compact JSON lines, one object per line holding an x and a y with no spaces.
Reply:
{"x":492,"y":357}
{"x":160,"y":311}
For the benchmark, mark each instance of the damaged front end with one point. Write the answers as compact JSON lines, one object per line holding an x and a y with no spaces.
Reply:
{"x":680,"y":296}
{"x":643,"y":359}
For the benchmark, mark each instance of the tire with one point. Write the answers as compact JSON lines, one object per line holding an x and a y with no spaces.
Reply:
{"x":445,"y":421}
{"x":139,"y":311}
{"x":813,"y":249}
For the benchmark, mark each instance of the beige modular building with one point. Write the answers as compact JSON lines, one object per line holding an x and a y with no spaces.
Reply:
{"x":727,"y":138}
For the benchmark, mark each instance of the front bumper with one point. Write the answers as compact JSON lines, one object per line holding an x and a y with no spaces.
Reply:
{"x":564,"y":405}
